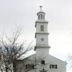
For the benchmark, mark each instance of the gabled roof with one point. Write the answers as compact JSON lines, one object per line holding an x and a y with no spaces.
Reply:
{"x":54,"y":59}
{"x":28,"y":54}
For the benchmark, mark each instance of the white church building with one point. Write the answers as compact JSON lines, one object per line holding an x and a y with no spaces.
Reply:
{"x":47,"y":63}
{"x":42,"y":61}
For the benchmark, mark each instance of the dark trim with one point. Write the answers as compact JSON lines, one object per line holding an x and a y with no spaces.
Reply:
{"x":40,"y":21}
{"x":41,"y":34}
{"x":36,"y":47}
{"x":40,"y":12}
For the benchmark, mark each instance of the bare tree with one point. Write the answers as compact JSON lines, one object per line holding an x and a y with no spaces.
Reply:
{"x":1,"y":60}
{"x":12,"y":51}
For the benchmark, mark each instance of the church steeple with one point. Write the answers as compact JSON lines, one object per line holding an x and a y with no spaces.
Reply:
{"x":41,"y":34}
{"x":40,"y":8}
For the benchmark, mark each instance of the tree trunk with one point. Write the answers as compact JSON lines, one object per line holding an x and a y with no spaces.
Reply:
{"x":6,"y":69}
{"x":14,"y":66}
{"x":1,"y":70}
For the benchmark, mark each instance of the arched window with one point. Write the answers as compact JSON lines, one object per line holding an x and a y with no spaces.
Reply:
{"x":42,"y":27}
{"x":52,"y":66}
{"x":42,"y":16}
{"x":39,"y":17}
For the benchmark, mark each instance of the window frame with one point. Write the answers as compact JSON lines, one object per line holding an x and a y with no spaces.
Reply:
{"x":42,"y":27}
{"x":53,"y":66}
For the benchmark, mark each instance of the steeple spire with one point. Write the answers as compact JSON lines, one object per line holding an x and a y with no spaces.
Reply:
{"x":41,"y":8}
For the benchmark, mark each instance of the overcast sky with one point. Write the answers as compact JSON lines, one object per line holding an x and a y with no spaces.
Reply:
{"x":22,"y":14}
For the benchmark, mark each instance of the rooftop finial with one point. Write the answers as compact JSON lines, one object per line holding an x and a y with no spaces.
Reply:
{"x":40,"y":8}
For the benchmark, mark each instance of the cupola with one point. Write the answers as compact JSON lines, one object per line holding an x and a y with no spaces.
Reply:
{"x":41,"y":14}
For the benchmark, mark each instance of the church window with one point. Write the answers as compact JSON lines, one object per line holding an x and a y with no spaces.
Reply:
{"x":43,"y":62}
{"x":42,"y":28}
{"x":39,"y":17}
{"x":42,"y":16}
{"x":33,"y":66}
{"x":29,"y":66}
{"x":52,"y":66}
